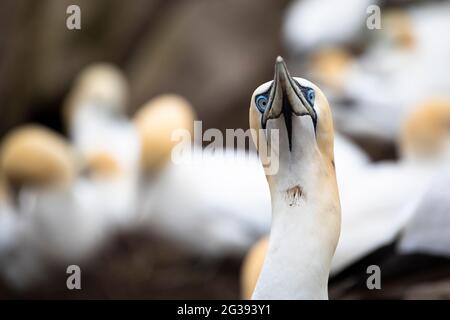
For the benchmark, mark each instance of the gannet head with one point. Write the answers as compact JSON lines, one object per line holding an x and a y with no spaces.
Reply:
{"x":100,"y":86}
{"x":425,"y":134}
{"x":33,"y":156}
{"x":300,"y":112}
{"x":156,"y":121}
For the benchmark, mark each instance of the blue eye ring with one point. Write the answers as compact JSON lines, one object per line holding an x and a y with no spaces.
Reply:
{"x":310,"y":95}
{"x":261,"y":102}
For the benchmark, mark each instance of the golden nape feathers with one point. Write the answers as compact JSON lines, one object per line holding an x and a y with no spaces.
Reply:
{"x":426,"y":131}
{"x":35,"y":156}
{"x":156,"y":123}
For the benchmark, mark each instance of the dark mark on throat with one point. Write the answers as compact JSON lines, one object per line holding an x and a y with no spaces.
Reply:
{"x":294,"y":196}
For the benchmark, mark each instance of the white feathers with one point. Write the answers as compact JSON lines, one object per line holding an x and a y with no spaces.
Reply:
{"x":67,"y":221}
{"x":109,"y":145}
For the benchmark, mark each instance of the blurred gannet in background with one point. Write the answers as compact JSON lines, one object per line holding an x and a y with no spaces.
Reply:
{"x":56,"y":218}
{"x":312,"y":24}
{"x":428,"y":230}
{"x":330,"y":66}
{"x":350,"y":160}
{"x":212,"y":204}
{"x":407,"y":62}
{"x":95,"y":113}
{"x":156,"y":122}
{"x":305,"y":199}
{"x":4,"y":192}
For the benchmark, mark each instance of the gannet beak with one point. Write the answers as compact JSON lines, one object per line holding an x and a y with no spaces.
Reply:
{"x":286,"y":98}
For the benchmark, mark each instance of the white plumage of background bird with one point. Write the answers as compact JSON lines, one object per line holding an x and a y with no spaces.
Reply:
{"x":211,"y":204}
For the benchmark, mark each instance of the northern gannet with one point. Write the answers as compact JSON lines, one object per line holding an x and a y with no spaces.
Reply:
{"x":56,"y":217}
{"x":108,"y":142}
{"x":8,"y":216}
{"x":305,"y":200}
{"x":212,"y":204}
{"x":427,"y":139}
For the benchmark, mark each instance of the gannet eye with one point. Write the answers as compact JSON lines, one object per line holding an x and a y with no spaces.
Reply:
{"x":310,"y":95}
{"x":261,"y":102}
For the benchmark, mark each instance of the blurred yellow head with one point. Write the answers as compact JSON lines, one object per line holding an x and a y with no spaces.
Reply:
{"x":155,"y":122}
{"x":398,"y":28}
{"x":35,"y":156}
{"x":99,"y":85}
{"x":103,"y":165}
{"x":426,"y":132}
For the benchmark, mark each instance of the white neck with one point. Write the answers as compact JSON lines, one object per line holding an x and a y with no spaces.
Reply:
{"x":303,"y":238}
